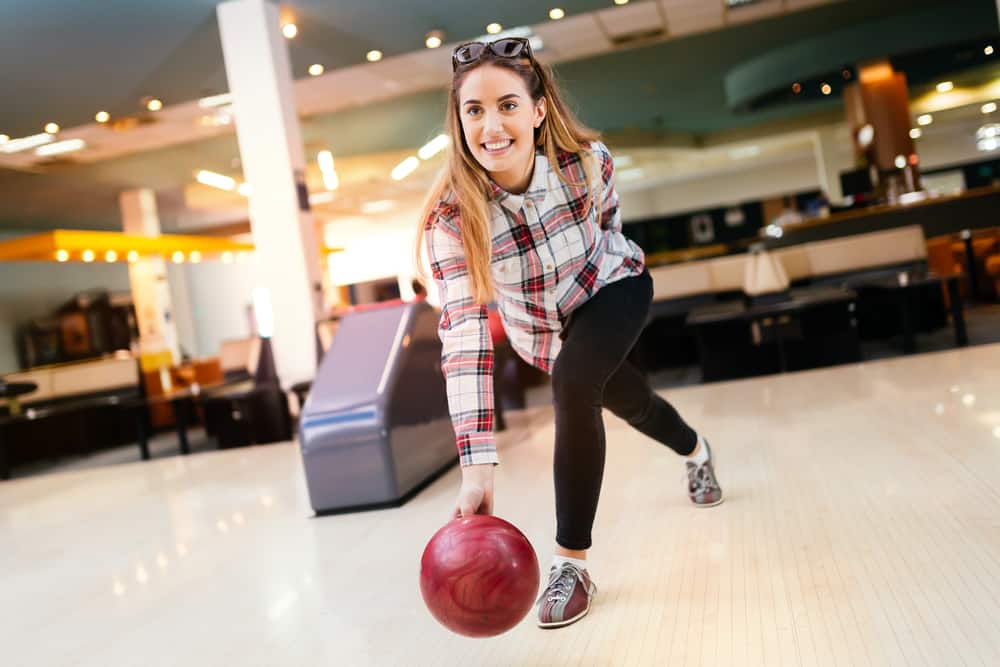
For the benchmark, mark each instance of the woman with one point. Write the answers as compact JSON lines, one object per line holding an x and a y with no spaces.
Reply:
{"x":525,"y":213}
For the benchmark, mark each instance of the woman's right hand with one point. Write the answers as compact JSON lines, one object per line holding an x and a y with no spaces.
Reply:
{"x":476,"y":493}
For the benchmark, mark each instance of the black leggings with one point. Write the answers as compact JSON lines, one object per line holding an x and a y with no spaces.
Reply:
{"x":592,"y":372}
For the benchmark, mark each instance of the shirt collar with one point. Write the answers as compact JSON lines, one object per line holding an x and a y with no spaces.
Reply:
{"x":535,"y":191}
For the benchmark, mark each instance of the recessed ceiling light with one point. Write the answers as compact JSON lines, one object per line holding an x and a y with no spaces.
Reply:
{"x":62,"y":255}
{"x":316,"y":70}
{"x":796,"y":88}
{"x":194,"y":257}
{"x":87,"y":255}
{"x":102,"y":117}
{"x":434,"y":39}
{"x":133,"y":256}
{"x":916,"y":133}
{"x":154,"y":104}
{"x":289,"y":30}
{"x":925,"y":119}
{"x":900,"y":162}
{"x":52,"y":128}
{"x":177,"y":257}
{"x":621,"y":2}
{"x":846,"y":73}
{"x":494,"y":28}
{"x":227,"y":257}
{"x":945,"y":87}
{"x":826,"y":89}
{"x":556,"y":13}
{"x":988,"y":50}
{"x":374,"y":56}
{"x":989,"y":107}
{"x":111,"y":256}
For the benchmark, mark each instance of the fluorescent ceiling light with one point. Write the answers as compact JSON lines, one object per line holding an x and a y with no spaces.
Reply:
{"x":24,"y":143}
{"x":631,"y":174}
{"x":321,"y":198}
{"x":60,"y":147}
{"x":326,"y":167}
{"x":325,"y":160}
{"x":744,"y":152}
{"x":405,"y":168}
{"x":380,"y":206}
{"x":216,"y":101}
{"x":433,"y":147}
{"x":216,"y":180}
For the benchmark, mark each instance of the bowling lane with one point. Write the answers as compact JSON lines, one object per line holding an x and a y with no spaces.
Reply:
{"x":859,"y":528}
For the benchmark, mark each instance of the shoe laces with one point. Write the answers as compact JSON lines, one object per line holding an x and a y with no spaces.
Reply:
{"x":561,"y":583}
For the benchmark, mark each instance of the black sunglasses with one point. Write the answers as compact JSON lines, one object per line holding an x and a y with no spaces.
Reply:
{"x":509,"y":47}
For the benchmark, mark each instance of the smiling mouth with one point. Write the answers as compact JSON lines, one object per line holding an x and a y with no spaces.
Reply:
{"x":497,"y":147}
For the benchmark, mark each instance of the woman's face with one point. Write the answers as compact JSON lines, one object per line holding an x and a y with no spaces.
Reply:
{"x":499,"y":120}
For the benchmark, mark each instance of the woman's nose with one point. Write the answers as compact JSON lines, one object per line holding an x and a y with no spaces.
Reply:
{"x":493,"y":122}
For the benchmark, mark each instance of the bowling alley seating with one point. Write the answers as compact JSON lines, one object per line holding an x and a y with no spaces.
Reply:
{"x":238,"y":357}
{"x":942,"y":260}
{"x":843,"y":261}
{"x":72,"y":412}
{"x":985,"y":244}
{"x":993,"y":271}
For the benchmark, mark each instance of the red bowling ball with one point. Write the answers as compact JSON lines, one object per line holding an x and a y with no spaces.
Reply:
{"x":479,"y":576}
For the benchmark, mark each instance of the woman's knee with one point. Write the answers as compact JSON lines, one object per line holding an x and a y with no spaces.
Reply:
{"x":577,"y":383}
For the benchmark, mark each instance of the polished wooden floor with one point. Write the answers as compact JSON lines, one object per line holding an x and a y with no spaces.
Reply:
{"x":861,"y":527}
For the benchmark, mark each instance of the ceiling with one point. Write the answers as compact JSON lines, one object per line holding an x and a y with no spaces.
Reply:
{"x":63,"y":66}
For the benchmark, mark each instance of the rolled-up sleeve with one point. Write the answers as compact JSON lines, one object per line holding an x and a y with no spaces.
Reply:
{"x":467,"y":349}
{"x":611,"y":218}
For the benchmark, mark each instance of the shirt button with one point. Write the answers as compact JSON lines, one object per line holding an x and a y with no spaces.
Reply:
{"x":548,"y":267}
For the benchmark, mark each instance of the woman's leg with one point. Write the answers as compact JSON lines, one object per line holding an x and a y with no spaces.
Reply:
{"x":628,"y":395}
{"x":602,"y":333}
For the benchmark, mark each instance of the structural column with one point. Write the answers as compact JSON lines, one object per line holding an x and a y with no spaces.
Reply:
{"x":158,"y":341}
{"x":288,"y":262}
{"x":878,"y":113}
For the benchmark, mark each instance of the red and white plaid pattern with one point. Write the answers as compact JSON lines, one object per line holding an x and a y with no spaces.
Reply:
{"x":550,"y":254}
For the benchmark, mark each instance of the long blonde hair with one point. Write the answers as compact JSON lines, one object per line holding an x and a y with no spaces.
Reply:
{"x":464,"y":177}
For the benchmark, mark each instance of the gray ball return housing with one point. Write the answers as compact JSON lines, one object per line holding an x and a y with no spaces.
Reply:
{"x":376,"y":429}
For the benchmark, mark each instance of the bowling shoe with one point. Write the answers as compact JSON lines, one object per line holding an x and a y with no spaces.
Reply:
{"x":567,"y":597}
{"x":703,"y":488}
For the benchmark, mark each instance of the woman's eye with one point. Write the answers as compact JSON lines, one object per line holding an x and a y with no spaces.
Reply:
{"x":472,"y":111}
{"x":508,"y":106}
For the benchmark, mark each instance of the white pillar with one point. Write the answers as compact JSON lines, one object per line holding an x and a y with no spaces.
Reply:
{"x":267,"y":128}
{"x":148,"y":277}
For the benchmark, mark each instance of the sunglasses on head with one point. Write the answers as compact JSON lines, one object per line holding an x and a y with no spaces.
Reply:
{"x":509,"y":47}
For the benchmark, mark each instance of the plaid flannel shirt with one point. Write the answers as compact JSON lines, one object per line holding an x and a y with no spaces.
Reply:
{"x":551,"y":252}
